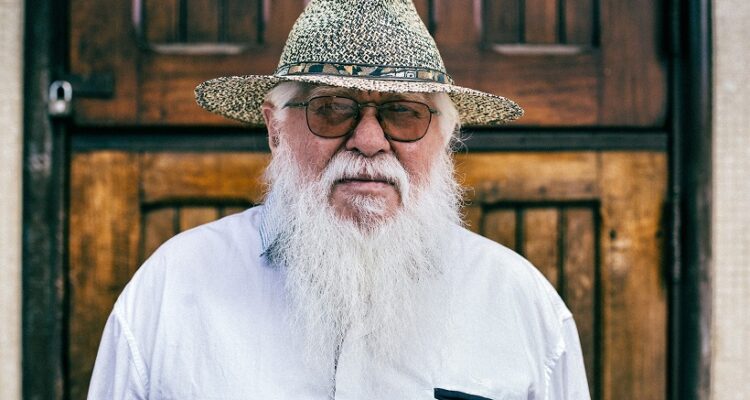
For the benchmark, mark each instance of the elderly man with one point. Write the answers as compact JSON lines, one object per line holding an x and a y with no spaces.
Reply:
{"x":355,"y":279}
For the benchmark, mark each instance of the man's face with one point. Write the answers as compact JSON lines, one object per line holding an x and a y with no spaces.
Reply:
{"x":367,"y":140}
{"x":359,"y":261}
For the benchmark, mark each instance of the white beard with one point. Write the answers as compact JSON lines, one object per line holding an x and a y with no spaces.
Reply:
{"x":341,"y":274}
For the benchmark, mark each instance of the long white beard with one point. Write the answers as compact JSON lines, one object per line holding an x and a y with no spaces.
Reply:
{"x":341,"y":274}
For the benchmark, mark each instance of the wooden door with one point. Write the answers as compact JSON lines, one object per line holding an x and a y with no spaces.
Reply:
{"x":147,"y":162}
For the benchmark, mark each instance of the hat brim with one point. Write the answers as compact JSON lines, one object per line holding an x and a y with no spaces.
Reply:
{"x":241,"y":97}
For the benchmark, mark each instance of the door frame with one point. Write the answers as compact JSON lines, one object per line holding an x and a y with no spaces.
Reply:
{"x":45,"y":180}
{"x":690,"y":150}
{"x":45,"y":153}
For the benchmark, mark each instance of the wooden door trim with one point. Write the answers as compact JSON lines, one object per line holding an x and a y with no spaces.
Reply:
{"x":691,"y":200}
{"x":474,"y":139}
{"x":44,"y":205}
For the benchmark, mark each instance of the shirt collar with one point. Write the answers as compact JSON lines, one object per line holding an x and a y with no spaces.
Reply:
{"x":268,"y":228}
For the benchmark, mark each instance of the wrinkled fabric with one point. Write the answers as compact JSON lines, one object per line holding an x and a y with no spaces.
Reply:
{"x":206,"y":318}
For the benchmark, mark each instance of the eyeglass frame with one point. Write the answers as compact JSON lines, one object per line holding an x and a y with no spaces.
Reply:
{"x":358,"y":116}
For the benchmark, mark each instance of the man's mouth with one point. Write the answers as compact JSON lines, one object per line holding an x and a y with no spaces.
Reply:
{"x":365,"y":180}
{"x":375,"y":186}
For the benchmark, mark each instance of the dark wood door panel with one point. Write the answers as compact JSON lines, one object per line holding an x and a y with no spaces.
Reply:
{"x":568,"y":63}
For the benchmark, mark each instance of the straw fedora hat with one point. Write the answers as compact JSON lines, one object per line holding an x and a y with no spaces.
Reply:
{"x":378,"y":45}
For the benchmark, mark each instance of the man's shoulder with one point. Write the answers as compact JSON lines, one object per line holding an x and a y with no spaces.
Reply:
{"x":501,"y":307}
{"x":218,"y":250}
{"x":477,"y":251}
{"x":501,"y":270}
{"x":225,"y":232}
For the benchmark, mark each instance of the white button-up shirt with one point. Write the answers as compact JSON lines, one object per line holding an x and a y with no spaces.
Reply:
{"x":206,"y":318}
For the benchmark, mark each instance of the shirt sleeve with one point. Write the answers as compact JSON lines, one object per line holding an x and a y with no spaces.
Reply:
{"x":119,"y":372}
{"x":568,"y":380}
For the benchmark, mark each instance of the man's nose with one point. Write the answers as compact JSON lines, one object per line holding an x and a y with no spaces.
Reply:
{"x":368,"y":137}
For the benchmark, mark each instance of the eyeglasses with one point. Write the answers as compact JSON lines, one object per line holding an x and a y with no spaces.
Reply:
{"x":336,"y":116}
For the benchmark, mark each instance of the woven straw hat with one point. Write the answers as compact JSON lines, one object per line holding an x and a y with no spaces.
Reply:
{"x":378,"y":45}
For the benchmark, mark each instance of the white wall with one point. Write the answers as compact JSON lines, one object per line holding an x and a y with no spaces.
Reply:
{"x":730,"y":366}
{"x":11,"y":47}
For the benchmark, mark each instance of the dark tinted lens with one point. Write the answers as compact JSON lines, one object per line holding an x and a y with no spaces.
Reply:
{"x":331,"y":116}
{"x":405,"y":120}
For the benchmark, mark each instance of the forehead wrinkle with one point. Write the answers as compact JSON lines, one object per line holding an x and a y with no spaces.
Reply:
{"x":360,"y":95}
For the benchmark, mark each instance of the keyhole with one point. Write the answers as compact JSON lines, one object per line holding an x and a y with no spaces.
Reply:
{"x":60,"y":95}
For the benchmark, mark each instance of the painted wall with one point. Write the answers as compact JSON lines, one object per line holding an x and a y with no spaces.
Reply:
{"x":731,"y":237}
{"x":11,"y":128}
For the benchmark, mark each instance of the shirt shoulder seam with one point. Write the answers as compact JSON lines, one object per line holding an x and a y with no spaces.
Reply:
{"x":135,"y":354}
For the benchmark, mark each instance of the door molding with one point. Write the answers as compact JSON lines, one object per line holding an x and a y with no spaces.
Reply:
{"x":691,"y":200}
{"x":472,"y":140}
{"x":44,"y":205}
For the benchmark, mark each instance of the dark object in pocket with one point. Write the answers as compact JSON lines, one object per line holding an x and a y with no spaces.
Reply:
{"x":442,"y":394}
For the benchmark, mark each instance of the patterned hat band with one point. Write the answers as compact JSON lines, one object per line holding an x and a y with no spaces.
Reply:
{"x":417,"y":74}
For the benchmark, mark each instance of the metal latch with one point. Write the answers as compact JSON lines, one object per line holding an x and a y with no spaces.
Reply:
{"x":60,"y":99}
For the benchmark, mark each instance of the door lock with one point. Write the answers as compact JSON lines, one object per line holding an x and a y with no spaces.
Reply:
{"x":60,"y":100}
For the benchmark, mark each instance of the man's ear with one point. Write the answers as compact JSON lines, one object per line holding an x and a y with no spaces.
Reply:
{"x":273,"y":132}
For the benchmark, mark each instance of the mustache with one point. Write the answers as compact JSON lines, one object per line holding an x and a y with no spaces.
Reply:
{"x":347,"y":165}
